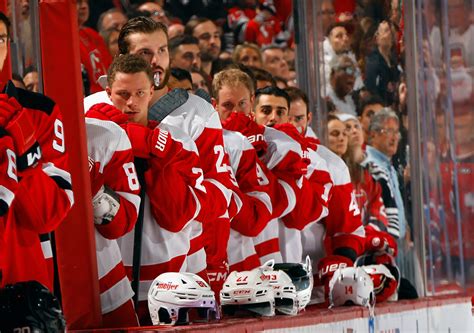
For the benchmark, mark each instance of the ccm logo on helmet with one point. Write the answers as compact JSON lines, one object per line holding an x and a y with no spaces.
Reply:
{"x":331,"y":268}
{"x":167,"y":286}
{"x":162,"y":139}
{"x":217,"y":276}
{"x":242,"y":292}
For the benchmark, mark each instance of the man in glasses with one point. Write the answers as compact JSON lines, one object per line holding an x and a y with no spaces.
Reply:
{"x":342,"y":80}
{"x":384,"y":136}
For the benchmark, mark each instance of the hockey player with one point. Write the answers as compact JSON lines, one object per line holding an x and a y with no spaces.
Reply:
{"x":148,"y":39}
{"x":263,"y":197}
{"x":33,"y":121}
{"x":173,"y":178}
{"x":344,"y":239}
{"x":115,"y":201}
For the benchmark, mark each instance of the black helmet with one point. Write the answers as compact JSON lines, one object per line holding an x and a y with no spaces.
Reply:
{"x":30,"y":305}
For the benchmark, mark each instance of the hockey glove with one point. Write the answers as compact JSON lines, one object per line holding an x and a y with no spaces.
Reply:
{"x":19,"y":126}
{"x":328,"y":265}
{"x":239,"y":122}
{"x":106,"y":111}
{"x":293,"y":133}
{"x":106,"y":204}
{"x":380,"y":242}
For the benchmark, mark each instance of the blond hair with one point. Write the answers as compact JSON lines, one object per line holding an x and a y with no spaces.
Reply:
{"x":231,"y":77}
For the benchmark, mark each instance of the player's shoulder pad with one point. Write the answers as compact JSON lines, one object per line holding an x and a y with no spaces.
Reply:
{"x":278,"y":140}
{"x":235,"y":140}
{"x":167,"y":104}
{"x":29,"y":99}
{"x":96,"y":98}
{"x":337,"y":167}
{"x":179,"y":135}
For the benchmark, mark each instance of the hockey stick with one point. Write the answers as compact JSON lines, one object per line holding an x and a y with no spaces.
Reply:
{"x":167,"y":104}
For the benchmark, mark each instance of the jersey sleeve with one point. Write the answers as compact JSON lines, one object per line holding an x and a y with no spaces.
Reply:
{"x":120,"y":175}
{"x":376,"y":208}
{"x":176,"y":189}
{"x":8,"y":174}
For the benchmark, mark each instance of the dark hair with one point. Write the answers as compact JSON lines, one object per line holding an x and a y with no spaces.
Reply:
{"x":17,"y":77}
{"x":128,"y":64}
{"x":4,"y":19}
{"x":369,"y":100}
{"x":29,"y":69}
{"x":139,"y":24}
{"x":193,"y":23}
{"x":273,"y":91}
{"x":104,"y":14}
{"x":175,"y":42}
{"x":181,"y":74}
{"x":335,"y":25}
{"x":262,"y":75}
{"x":296,"y":94}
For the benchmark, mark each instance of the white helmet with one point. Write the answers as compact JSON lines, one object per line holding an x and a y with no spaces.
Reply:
{"x":248,"y":290}
{"x":351,"y":285}
{"x":283,"y":289}
{"x":172,"y":295}
{"x":301,"y":276}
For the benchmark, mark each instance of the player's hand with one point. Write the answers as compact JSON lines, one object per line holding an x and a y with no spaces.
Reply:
{"x":380,"y":242}
{"x":239,"y":122}
{"x":9,"y":107}
{"x":106,"y":111}
{"x":328,"y":265}
{"x":156,"y":142}
{"x":293,"y":133}
{"x":106,"y":204}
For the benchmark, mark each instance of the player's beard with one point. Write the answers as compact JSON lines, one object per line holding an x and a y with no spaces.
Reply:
{"x":163,"y":82}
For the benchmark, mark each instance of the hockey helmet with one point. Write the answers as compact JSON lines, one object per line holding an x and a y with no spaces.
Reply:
{"x":172,"y":295}
{"x":351,"y":286}
{"x":30,"y":306}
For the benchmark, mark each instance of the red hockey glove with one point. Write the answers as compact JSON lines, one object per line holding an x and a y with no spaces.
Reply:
{"x":106,"y":111}
{"x":19,"y":126}
{"x":156,"y":142}
{"x":380,"y":242}
{"x":239,"y":122}
{"x":328,"y":265}
{"x":293,"y":133}
{"x":312,"y":143}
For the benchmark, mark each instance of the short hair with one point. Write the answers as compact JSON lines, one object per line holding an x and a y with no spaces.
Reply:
{"x":296,"y":94}
{"x":336,"y":62}
{"x":104,"y":14}
{"x":29,"y":69}
{"x":128,"y":64}
{"x":335,"y":25}
{"x":231,"y":77}
{"x":369,"y":100}
{"x":175,"y":42}
{"x":262,"y":75}
{"x":6,"y":21}
{"x":273,"y":91}
{"x":139,"y":24}
{"x":378,"y":119}
{"x":193,"y":23}
{"x":181,"y":74}
{"x":271,"y":47}
{"x":239,"y":48}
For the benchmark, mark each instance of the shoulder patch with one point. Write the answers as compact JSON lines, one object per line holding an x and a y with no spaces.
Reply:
{"x":29,"y":99}
{"x":167,"y":104}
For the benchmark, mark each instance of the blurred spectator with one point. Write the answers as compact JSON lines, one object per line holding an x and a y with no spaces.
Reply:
{"x":461,"y":23}
{"x":274,"y":62}
{"x":366,"y":108}
{"x":180,"y":78}
{"x":248,"y":54}
{"x":111,"y":19}
{"x":95,"y":56}
{"x":384,"y":135}
{"x":110,"y":37}
{"x":337,"y":43}
{"x":17,"y":80}
{"x":262,"y":78}
{"x":155,"y":11}
{"x":31,"y":79}
{"x":327,"y":14}
{"x":184,"y":52}
{"x":25,"y":33}
{"x":289,"y":56}
{"x":381,"y":68}
{"x":342,"y":80}
{"x":337,"y":135}
{"x":199,"y":80}
{"x":175,"y":30}
{"x":209,"y":40}
{"x":281,"y":82}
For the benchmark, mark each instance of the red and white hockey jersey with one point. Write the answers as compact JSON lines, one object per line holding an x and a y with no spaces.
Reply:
{"x":172,"y":203}
{"x":342,"y":228}
{"x":111,"y":163}
{"x":283,"y":159}
{"x":8,"y":175}
{"x":254,"y":190}
{"x":31,"y":212}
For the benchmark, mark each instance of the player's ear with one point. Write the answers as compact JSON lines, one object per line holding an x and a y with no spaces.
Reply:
{"x":108,"y":91}
{"x":214,"y":103}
